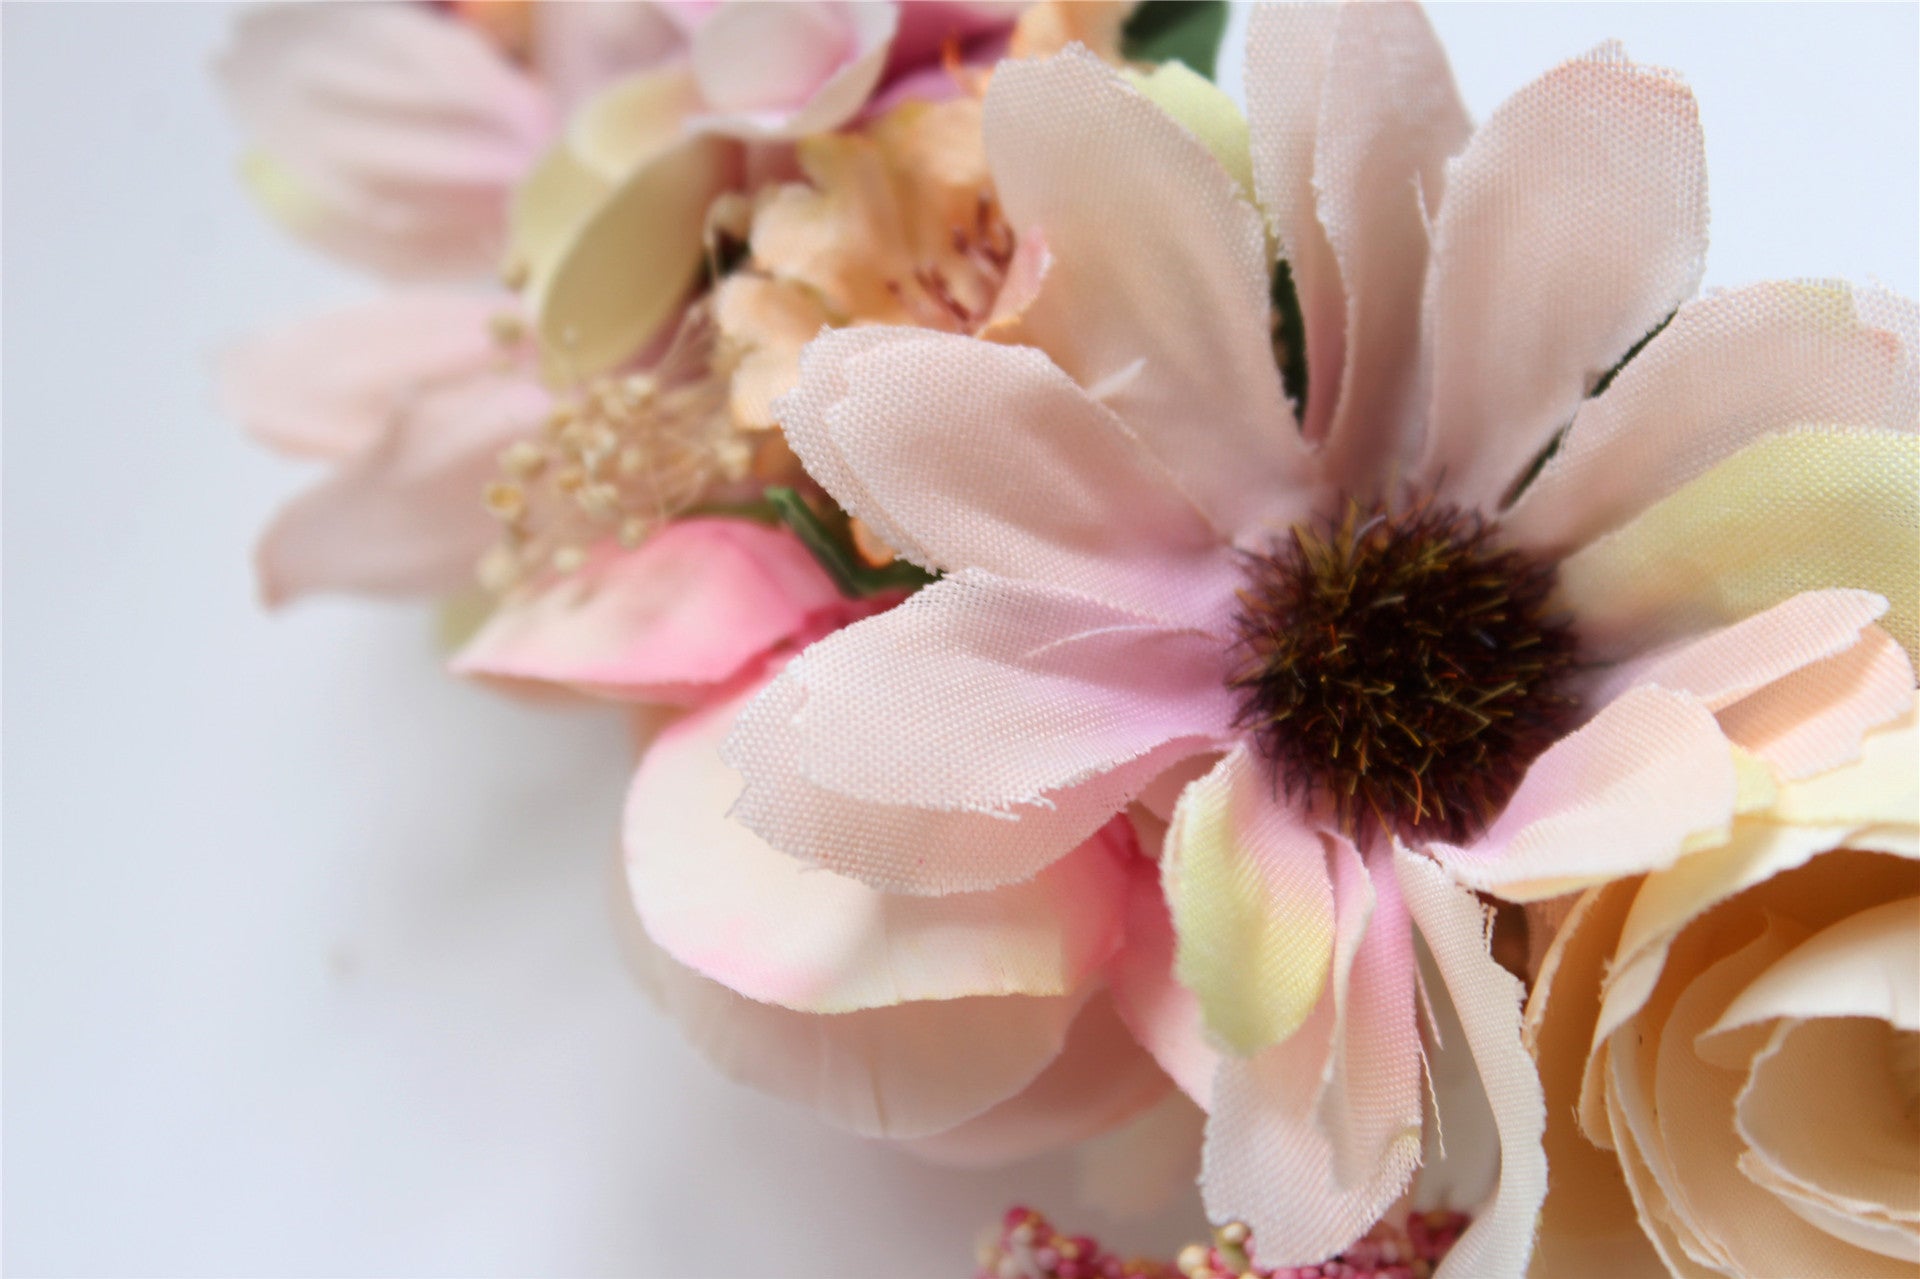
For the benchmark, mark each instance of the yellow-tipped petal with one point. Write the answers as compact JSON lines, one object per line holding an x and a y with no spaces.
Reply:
{"x":1203,"y":110}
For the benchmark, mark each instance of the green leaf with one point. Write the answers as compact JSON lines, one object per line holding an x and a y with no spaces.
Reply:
{"x":1186,"y":31}
{"x":833,"y":549}
{"x":1290,"y":337}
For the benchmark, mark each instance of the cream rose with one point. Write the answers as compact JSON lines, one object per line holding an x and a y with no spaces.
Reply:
{"x":1731,"y":1047}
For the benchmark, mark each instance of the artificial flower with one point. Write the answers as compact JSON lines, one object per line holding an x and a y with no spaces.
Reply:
{"x":1132,"y":508}
{"x":1731,"y":1045}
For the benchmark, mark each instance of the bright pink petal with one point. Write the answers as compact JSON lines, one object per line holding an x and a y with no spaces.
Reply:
{"x":902,"y":847}
{"x":1727,"y":664}
{"x":1157,"y":299}
{"x":1729,"y":369}
{"x":329,"y":386}
{"x":783,"y":71}
{"x":406,"y":517}
{"x":1814,"y":719}
{"x":1354,"y":113}
{"x":1620,"y":796}
{"x":720,"y":901}
{"x":1001,"y":463}
{"x":1487,"y":998}
{"x":902,"y":1072}
{"x":1310,"y":1141}
{"x":403,"y":127}
{"x":1100,"y":1080}
{"x":979,"y":693}
{"x":1573,"y":223}
{"x":690,"y":609}
{"x":1163,"y":1015}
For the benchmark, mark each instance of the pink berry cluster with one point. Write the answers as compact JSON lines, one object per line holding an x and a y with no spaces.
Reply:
{"x":1028,"y":1247}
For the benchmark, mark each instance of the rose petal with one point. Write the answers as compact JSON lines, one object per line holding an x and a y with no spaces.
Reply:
{"x":689,"y":609}
{"x":1573,"y":223}
{"x":1793,"y":512}
{"x":1728,"y":370}
{"x":720,"y":901}
{"x":1158,"y":291}
{"x":1453,"y":926}
{"x":1252,"y":907}
{"x":1617,"y":797}
{"x":405,"y":518}
{"x":1086,"y":508}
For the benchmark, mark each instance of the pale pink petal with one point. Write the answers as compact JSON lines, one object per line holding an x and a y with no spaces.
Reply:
{"x":1157,"y":298}
{"x":1453,"y":925}
{"x":1573,"y":223}
{"x":983,"y":694}
{"x":404,"y":128}
{"x":1162,"y":1014}
{"x":964,"y":454}
{"x":581,"y":49}
{"x":782,"y":71}
{"x":691,"y":608}
{"x":720,"y":901}
{"x":1100,"y":1080}
{"x":910,"y":1070}
{"x":904,"y":848}
{"x":1354,"y":113}
{"x":1727,"y":664}
{"x":406,"y":517}
{"x":1619,"y":796}
{"x":1311,"y":1140}
{"x":1814,"y":719}
{"x":1146,"y":1164}
{"x":1729,"y":369}
{"x":330,"y":386}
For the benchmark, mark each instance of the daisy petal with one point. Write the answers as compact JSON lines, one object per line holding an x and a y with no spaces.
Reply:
{"x":909,"y":1070}
{"x":327,"y":387}
{"x":1487,"y":998}
{"x":1728,"y":370}
{"x":776,"y":72}
{"x":1100,"y":1080}
{"x":903,"y":848}
{"x":1573,"y":223}
{"x":406,"y":517}
{"x":1793,"y":512}
{"x":1814,"y":719}
{"x":1617,"y":797}
{"x":1246,"y":880}
{"x":689,"y":609}
{"x":1170,"y":320}
{"x":720,"y":901}
{"x":1085,"y":507}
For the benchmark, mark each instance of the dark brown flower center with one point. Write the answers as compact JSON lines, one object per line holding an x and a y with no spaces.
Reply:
{"x":1403,"y":666}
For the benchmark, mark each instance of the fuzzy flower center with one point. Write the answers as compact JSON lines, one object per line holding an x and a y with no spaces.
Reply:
{"x":1403,"y":666}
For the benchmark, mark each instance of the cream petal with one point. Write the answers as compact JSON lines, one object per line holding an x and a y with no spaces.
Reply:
{"x":1573,"y":223}
{"x":406,"y":517}
{"x":979,"y":693}
{"x":1730,"y":369}
{"x":1163,"y":1015}
{"x":1588,"y":1223}
{"x":1383,"y":118}
{"x":778,"y":72}
{"x":1859,"y":967}
{"x":1100,"y":1080}
{"x":1813,"y":720}
{"x":720,"y":901}
{"x":1798,"y":511}
{"x":1311,"y":1140}
{"x":1453,"y":926}
{"x":1158,"y":291}
{"x":966,"y":454}
{"x":1252,"y":905}
{"x":399,"y":130}
{"x":906,"y":1071}
{"x":688,"y":610}
{"x":907,"y":849}
{"x":1620,"y":796}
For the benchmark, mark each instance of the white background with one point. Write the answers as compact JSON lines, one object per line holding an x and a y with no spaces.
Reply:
{"x":307,"y":960}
